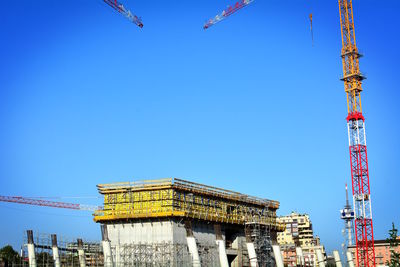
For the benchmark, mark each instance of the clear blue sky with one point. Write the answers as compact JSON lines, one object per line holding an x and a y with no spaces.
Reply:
{"x":86,"y":97}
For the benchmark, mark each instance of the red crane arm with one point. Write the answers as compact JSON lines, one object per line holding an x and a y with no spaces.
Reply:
{"x":127,"y":13}
{"x":227,"y":12}
{"x":48,"y":203}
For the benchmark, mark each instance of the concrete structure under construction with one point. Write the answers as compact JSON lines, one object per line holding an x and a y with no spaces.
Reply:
{"x":173,"y":222}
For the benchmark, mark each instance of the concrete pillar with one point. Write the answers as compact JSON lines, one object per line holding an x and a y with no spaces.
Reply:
{"x":300,"y":256}
{"x":320,"y":258}
{"x":192,"y":245}
{"x":278,"y":255}
{"x":223,"y":258}
{"x":81,"y":253}
{"x":118,"y":256}
{"x":54,"y":247}
{"x":31,"y":249}
{"x":252,"y":254}
{"x":193,"y":250}
{"x":337,"y":258}
{"x":350,"y":261}
{"x":108,"y":259}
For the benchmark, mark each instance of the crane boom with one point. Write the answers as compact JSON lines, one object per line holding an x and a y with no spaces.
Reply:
{"x":352,"y":77}
{"x":227,"y":12}
{"x":48,"y":203}
{"x":127,"y":13}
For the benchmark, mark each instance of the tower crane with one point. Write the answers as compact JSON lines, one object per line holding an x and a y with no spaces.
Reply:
{"x":127,"y":13}
{"x":352,"y":77}
{"x":227,"y":12}
{"x":48,"y":203}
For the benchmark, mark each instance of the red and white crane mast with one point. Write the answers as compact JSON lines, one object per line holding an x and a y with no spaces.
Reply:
{"x":352,"y":77}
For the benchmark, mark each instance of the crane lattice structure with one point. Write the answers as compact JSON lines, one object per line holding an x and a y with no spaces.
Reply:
{"x":48,"y":203}
{"x":127,"y":13}
{"x":227,"y":12}
{"x":352,"y":77}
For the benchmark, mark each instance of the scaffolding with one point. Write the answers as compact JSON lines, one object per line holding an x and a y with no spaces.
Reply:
{"x":260,"y":236}
{"x":174,"y":197}
{"x":162,"y":254}
{"x":68,"y":251}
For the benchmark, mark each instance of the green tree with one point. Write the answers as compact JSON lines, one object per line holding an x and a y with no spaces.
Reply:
{"x":394,"y":242}
{"x":9,"y":255}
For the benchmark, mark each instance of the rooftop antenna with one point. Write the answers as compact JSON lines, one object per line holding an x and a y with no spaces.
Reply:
{"x":347,"y":215}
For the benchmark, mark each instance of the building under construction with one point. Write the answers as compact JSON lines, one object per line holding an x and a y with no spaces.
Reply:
{"x":173,"y":222}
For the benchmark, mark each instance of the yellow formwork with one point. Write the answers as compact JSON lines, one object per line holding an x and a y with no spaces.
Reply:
{"x":179,"y":198}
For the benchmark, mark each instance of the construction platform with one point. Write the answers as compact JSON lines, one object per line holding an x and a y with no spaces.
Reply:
{"x":174,"y":197}
{"x":179,"y":223}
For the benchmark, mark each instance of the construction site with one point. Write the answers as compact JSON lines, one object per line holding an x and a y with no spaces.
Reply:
{"x":177,"y":222}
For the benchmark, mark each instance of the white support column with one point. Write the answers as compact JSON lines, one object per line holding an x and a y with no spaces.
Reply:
{"x":300,"y":256}
{"x":31,"y":249}
{"x":350,"y":261}
{"x":108,"y":260}
{"x":192,"y":245}
{"x":337,"y":258}
{"x":81,"y":254}
{"x":31,"y":255}
{"x":252,"y":254}
{"x":278,"y":255}
{"x":118,"y":256}
{"x":320,"y":258}
{"x":107,"y":254}
{"x":223,"y":258}
{"x":193,"y":250}
{"x":54,"y":247}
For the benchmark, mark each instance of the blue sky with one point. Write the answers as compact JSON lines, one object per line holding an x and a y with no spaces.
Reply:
{"x":250,"y":105}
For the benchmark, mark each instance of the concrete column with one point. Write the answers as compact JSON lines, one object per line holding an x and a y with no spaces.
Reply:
{"x":320,"y":258}
{"x":300,"y":256}
{"x":252,"y":254}
{"x":108,"y":259}
{"x":223,"y":258}
{"x":31,"y":249}
{"x":118,"y":256}
{"x":193,"y":251}
{"x":278,"y":255}
{"x":337,"y":258}
{"x":192,"y":245}
{"x":54,"y":247}
{"x":350,"y":261}
{"x":81,"y":253}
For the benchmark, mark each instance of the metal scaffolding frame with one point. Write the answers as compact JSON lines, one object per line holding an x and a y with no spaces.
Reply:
{"x":68,"y":251}
{"x":260,"y":236}
{"x":162,"y":254}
